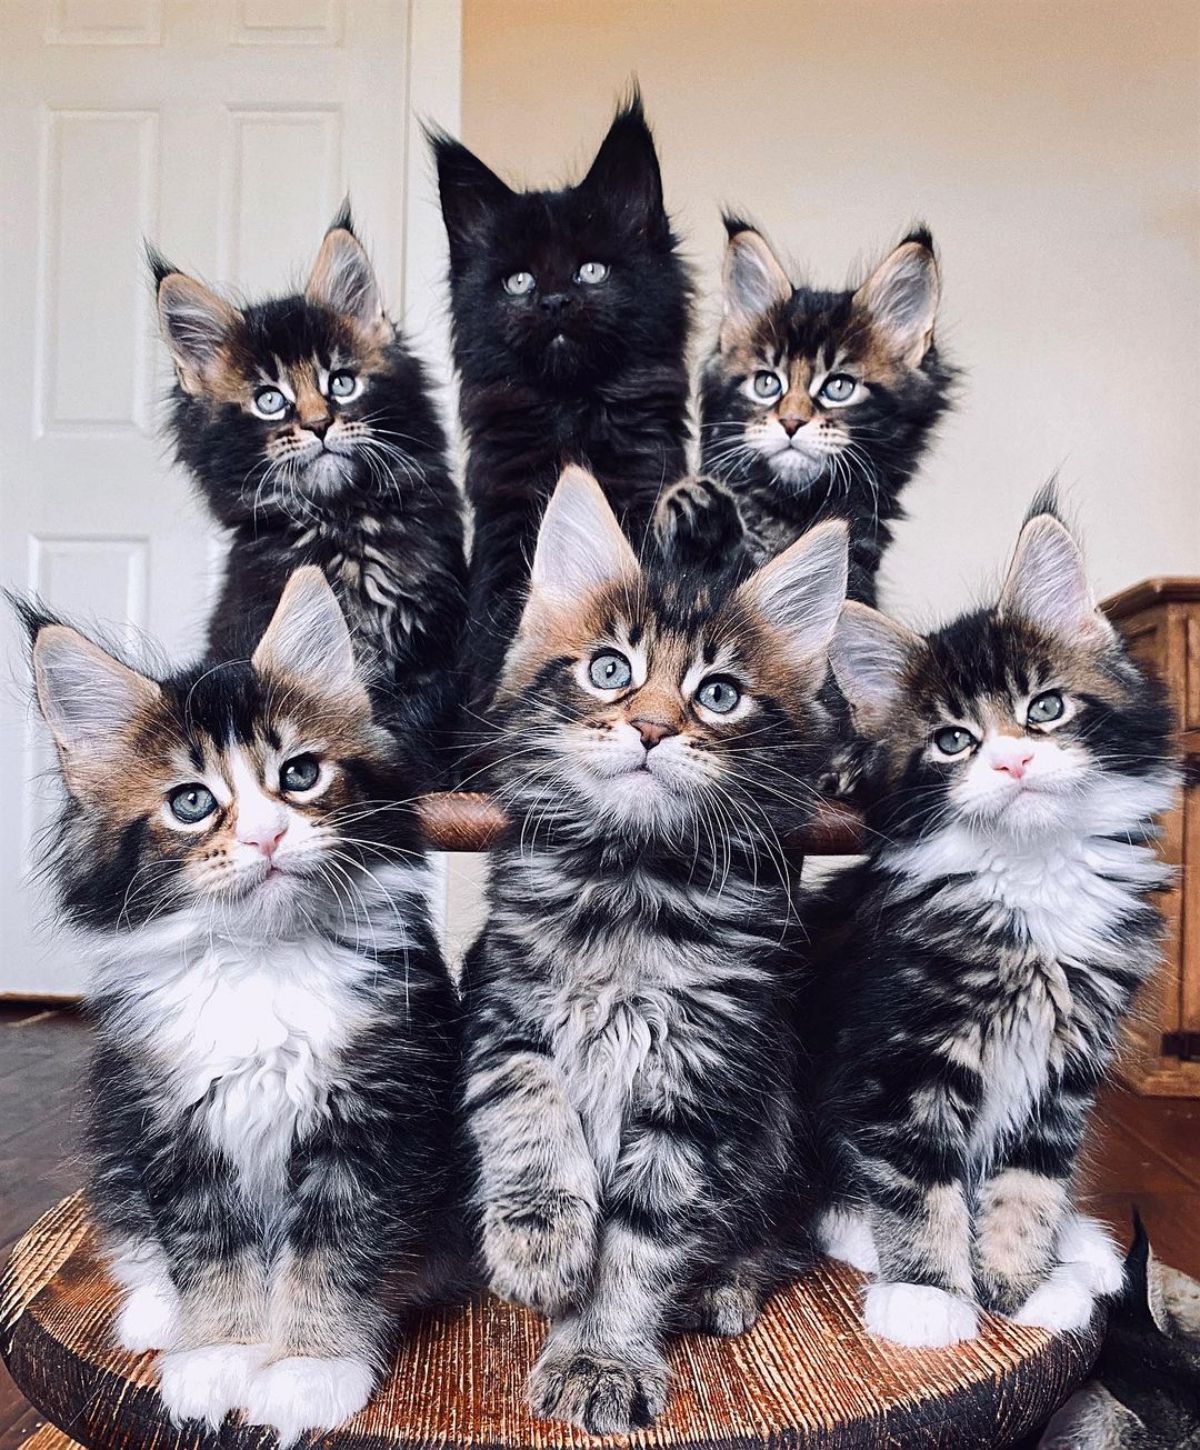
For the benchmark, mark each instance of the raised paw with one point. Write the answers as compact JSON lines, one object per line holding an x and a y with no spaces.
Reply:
{"x":696,"y":516}
{"x":1064,"y":1302}
{"x":541,"y":1253}
{"x":206,"y":1383}
{"x":919,"y":1316}
{"x":727,"y":1309}
{"x":602,"y":1394}
{"x":304,"y":1393}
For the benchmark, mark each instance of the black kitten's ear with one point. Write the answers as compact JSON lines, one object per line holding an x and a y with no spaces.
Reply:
{"x":872,"y":657}
{"x":1047,"y":584}
{"x":308,"y":639}
{"x":626,"y":171}
{"x":470,"y":191}
{"x":88,"y":699}
{"x":799,"y":593}
{"x":900,"y":298}
{"x":754,"y":282}
{"x":343,"y":279}
{"x":196,"y":323}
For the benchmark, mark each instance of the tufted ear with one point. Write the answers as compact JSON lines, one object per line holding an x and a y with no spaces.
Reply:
{"x":470,"y":192}
{"x":580,"y":547}
{"x":308,"y":639}
{"x":901,"y":298}
{"x":1047,"y":584}
{"x":799,"y":592}
{"x":754,"y":282}
{"x":196,"y":324}
{"x":343,"y":279}
{"x":626,"y":172}
{"x":871,"y":657}
{"x":88,"y":699}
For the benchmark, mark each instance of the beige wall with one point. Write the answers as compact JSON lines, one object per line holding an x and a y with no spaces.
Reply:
{"x":1054,"y":150}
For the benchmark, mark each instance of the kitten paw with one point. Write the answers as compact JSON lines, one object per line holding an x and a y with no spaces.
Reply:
{"x":601,"y":1394}
{"x":1063,"y":1303}
{"x":846,"y":1236}
{"x":304,"y":1393}
{"x":541,"y":1254}
{"x":1086,"y":1243}
{"x":727,"y":1309}
{"x":206,"y":1383}
{"x":149,"y":1319}
{"x":919,"y":1316}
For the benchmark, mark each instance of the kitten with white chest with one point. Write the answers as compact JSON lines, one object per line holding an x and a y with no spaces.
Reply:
{"x":970,"y":978}
{"x":275,"y":1075}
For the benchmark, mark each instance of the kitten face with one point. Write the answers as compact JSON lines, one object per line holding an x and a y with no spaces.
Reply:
{"x":1012,"y":719}
{"x":562,"y":288}
{"x":657,"y":703}
{"x":821,"y":384}
{"x":291,"y":401}
{"x":246,"y":792}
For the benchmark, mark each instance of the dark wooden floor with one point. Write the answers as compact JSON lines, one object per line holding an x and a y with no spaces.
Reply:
{"x":1143,"y":1150}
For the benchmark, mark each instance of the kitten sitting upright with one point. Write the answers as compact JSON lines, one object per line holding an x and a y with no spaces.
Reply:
{"x":969,"y":980}
{"x":311,"y":432}
{"x":275,"y":1077}
{"x":817,"y":405}
{"x":629,"y":1060}
{"x":570,"y":318}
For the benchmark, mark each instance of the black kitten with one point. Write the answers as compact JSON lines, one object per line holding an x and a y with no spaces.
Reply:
{"x":818,"y":405}
{"x":570,"y":316}
{"x":311,"y":433}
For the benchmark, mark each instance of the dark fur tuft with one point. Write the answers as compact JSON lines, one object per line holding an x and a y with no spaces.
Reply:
{"x":160,"y":268}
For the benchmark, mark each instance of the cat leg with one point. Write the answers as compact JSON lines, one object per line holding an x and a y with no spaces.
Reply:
{"x":844,"y":1234}
{"x":731,"y":1300}
{"x":1086,"y":1243}
{"x":538,"y":1190}
{"x":149,"y":1315}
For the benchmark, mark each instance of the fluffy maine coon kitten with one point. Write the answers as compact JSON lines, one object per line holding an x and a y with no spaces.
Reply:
{"x":971,"y":977}
{"x":628,"y":1058}
{"x":275,"y":1075}
{"x":817,"y":405}
{"x":570,"y":323}
{"x":311,"y":433}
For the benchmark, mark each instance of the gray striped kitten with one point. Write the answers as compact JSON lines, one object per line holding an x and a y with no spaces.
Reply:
{"x":629,"y":1062}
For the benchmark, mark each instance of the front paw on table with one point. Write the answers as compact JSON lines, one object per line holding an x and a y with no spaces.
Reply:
{"x":603,"y":1394}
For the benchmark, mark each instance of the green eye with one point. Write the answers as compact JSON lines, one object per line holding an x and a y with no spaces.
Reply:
{"x":300,"y":773}
{"x":766,"y":385}
{"x":191,"y":803}
{"x":838,"y":388}
{"x":270,"y":402}
{"x":719,"y":694}
{"x":520,"y":284}
{"x":1045,"y":707}
{"x":610,"y":671}
{"x":953,"y":740}
{"x":342,"y":384}
{"x":592,"y":272}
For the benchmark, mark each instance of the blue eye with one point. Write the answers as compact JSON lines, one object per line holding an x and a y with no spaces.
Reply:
{"x":1045,"y":707}
{"x":719,"y":694}
{"x":300,"y":773}
{"x":954,"y":740}
{"x":191,"y":803}
{"x":590,"y":273}
{"x":610,"y":670}
{"x":838,"y":388}
{"x":342,"y":384}
{"x":766,"y":385}
{"x":270,"y":402}
{"x":520,"y":284}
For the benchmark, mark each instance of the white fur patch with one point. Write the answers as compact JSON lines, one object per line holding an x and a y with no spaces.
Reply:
{"x":1063,"y":1303}
{"x":303,"y":1393}
{"x":919,"y":1316}
{"x":846,"y":1236}
{"x":150,"y":1312}
{"x":206,"y":1383}
{"x":1087,"y":1244}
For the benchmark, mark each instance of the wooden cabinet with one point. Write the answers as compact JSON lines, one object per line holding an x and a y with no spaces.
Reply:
{"x":1160,"y":619}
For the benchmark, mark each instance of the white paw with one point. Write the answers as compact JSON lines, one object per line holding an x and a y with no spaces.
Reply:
{"x":1087,"y":1244}
{"x":304,"y":1393}
{"x":149,"y":1318}
{"x":1064,"y":1302}
{"x":206,"y":1383}
{"x":846,"y":1236}
{"x":919,"y":1316}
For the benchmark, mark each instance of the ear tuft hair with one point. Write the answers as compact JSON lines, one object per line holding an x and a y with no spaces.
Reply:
{"x":469,"y":191}
{"x":308,"y":638}
{"x":344,"y":220}
{"x":626,"y":169}
{"x":799,"y":593}
{"x":871,"y":656}
{"x":754,"y":283}
{"x":900,"y":297}
{"x":580,"y":546}
{"x":196,"y":323}
{"x":160,"y":268}
{"x":1047,"y":583}
{"x":343,"y":280}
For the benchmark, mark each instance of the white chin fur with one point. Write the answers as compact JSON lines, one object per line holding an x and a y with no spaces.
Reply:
{"x":303,"y":1393}
{"x":793,"y":467}
{"x":846,"y":1236}
{"x":919,"y":1316}
{"x":1063,"y":1303}
{"x":206,"y":1383}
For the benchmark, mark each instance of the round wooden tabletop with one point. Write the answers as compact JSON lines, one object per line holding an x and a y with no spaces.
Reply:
{"x":806,"y":1375}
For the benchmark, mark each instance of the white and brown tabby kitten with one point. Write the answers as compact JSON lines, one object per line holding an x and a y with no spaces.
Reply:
{"x":275,"y":1077}
{"x":629,"y":1059}
{"x":970,"y":978}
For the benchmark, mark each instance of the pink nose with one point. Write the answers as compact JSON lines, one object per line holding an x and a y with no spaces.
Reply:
{"x":266,"y":839}
{"x":1013,"y":761}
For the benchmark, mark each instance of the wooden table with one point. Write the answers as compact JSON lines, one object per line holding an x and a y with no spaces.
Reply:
{"x":805,"y":1376}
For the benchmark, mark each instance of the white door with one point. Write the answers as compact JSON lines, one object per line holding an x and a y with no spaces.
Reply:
{"x":227,"y":131}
